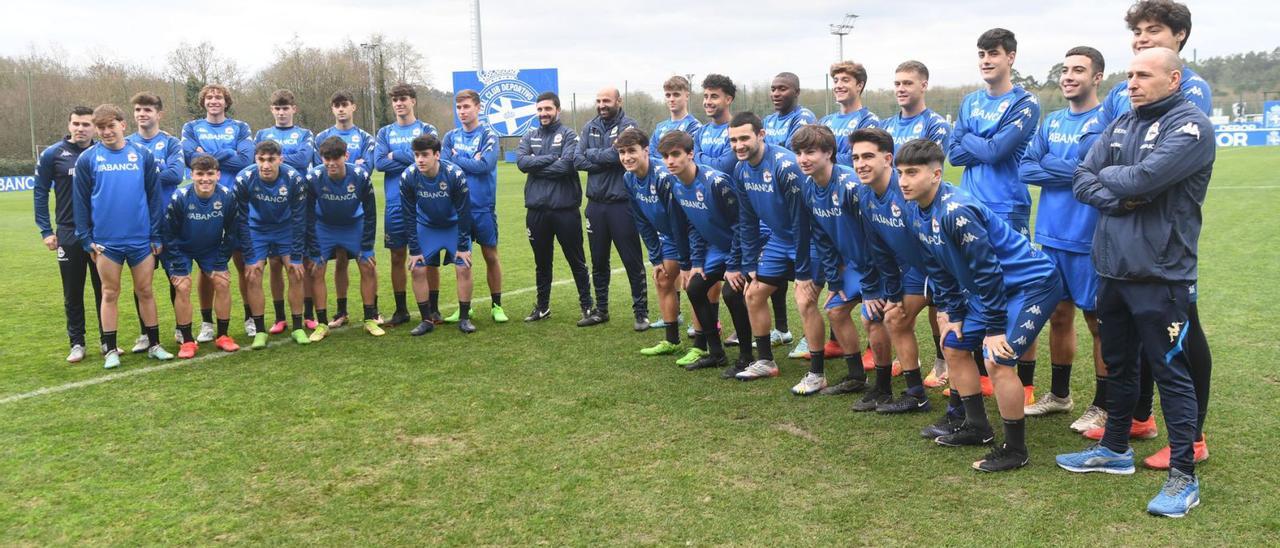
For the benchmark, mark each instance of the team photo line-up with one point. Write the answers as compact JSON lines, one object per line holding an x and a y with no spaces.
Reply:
{"x":733,"y":210}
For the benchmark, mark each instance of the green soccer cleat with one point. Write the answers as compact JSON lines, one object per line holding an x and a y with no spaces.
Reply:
{"x":300,"y":336}
{"x":320,"y":332}
{"x":259,"y":340}
{"x":691,"y":356}
{"x":499,"y":315}
{"x":663,"y":347}
{"x":373,"y":328}
{"x":453,"y":318}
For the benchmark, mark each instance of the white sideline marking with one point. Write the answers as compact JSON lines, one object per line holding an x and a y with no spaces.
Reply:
{"x":208,"y":357}
{"x":1259,"y":187}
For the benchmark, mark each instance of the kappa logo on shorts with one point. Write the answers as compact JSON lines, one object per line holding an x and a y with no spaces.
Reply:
{"x":1034,"y":309}
{"x":528,"y":233}
{"x":1028,"y":325}
{"x":1020,"y":341}
{"x":1175,"y":329}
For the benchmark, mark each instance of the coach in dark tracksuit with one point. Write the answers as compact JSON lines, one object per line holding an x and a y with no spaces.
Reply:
{"x":53,"y":171}
{"x":609,"y":218}
{"x":552,"y":196}
{"x":1147,"y":175}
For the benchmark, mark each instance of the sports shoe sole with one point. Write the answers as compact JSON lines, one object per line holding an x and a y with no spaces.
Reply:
{"x":1116,"y":471}
{"x":1175,"y":516}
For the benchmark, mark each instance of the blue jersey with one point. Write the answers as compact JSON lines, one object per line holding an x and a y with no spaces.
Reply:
{"x":297,"y":143}
{"x":706,"y":215}
{"x":926,"y":125}
{"x":838,"y":233}
{"x":475,"y":152}
{"x":842,"y":125}
{"x":229,"y":141}
{"x":1062,"y":221}
{"x":973,"y":257}
{"x":769,"y":193}
{"x":436,"y":202}
{"x":1194,"y":88}
{"x":893,"y":245}
{"x":359,"y":145}
{"x":989,"y":138}
{"x":275,"y":206}
{"x":396,"y":140}
{"x":688,"y":124}
{"x":650,"y":206}
{"x":342,"y":203}
{"x":711,"y":148}
{"x":167,"y":150}
{"x":199,"y":227}
{"x":779,"y":128}
{"x":118,"y":201}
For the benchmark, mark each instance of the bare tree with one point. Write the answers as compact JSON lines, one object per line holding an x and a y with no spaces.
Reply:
{"x":202,"y":63}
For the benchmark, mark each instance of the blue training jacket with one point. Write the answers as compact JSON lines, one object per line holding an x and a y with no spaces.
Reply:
{"x":926,"y":125}
{"x":341,"y":203}
{"x":769,"y":193}
{"x":476,"y":154}
{"x":711,"y":148}
{"x":892,"y":244}
{"x":197,"y":227}
{"x":229,"y":141}
{"x":118,"y":201}
{"x":1062,"y":222}
{"x":359,"y":146}
{"x":988,"y":139}
{"x":839,"y":235}
{"x":842,"y":125}
{"x":779,"y":128}
{"x":167,"y":150}
{"x":440,"y":201}
{"x":707,"y":215}
{"x":273,"y":206}
{"x":651,"y":201}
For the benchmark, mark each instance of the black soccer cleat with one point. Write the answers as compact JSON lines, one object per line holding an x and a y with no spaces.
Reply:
{"x":424,"y":327}
{"x":1003,"y":458}
{"x":642,"y":324}
{"x":966,"y":435}
{"x":435,"y":317}
{"x":466,"y":326}
{"x":593,"y":317}
{"x":947,"y":424}
{"x":398,"y":318}
{"x":871,"y":400}
{"x":706,"y":362}
{"x":847,"y":385}
{"x":908,"y":403}
{"x":538,"y":314}
{"x":731,"y":372}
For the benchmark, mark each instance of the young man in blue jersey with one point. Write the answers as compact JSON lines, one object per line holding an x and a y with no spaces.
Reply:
{"x":993,"y":129}
{"x":359,"y":152}
{"x":200,"y":225}
{"x":839,"y":260}
{"x":118,"y":213}
{"x":675,"y":94}
{"x":272,"y":201}
{"x":704,"y":223}
{"x":711,"y":145}
{"x":342,"y":221}
{"x":995,"y":292}
{"x":435,"y":201}
{"x":148,"y":110}
{"x":768,"y":184}
{"x":55,"y":171}
{"x":392,"y":155}
{"x":230,"y":142}
{"x":1064,"y":230}
{"x":1148,"y":174}
{"x":474,"y":149}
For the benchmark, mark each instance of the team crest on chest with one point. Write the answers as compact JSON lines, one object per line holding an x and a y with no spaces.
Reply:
{"x":936,"y":227}
{"x":160,"y":145}
{"x":444,"y":185}
{"x":217,"y":205}
{"x":133,"y":157}
{"x":229,"y":131}
{"x":698,"y":195}
{"x":895,"y":210}
{"x":835,"y":198}
{"x":351,"y":187}
{"x":284,"y":190}
{"x":1004,"y":105}
{"x":768,"y":177}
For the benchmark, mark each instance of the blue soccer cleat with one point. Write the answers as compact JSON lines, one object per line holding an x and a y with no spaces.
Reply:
{"x":1097,"y":458}
{"x":1181,"y":493}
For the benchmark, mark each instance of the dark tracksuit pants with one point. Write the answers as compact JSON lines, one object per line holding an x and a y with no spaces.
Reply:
{"x":73,"y":263}
{"x":1201,"y":360}
{"x":545,"y":227}
{"x":1151,"y":318}
{"x":613,"y":223}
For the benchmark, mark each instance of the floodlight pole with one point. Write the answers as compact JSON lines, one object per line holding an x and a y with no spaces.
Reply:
{"x":842,"y":29}
{"x":373,"y":95}
{"x":31,"y":116}
{"x":477,"y":51}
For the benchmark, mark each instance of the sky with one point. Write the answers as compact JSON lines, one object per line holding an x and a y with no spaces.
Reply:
{"x":594,"y":44}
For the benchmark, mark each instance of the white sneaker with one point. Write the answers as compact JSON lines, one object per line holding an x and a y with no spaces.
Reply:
{"x":249,"y":328}
{"x":800,"y":350}
{"x":177,"y":336}
{"x":1093,"y":417}
{"x":758,"y":369}
{"x":206,"y":333}
{"x":76,"y":354}
{"x":809,"y":385}
{"x":780,"y":338}
{"x":1048,"y":403}
{"x":142,"y":344}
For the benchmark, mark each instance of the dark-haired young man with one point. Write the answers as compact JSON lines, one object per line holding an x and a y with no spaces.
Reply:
{"x":474,"y":149}
{"x":299,"y":149}
{"x":435,"y":201}
{"x":359,"y":152}
{"x":148,"y":110}
{"x":675,"y":93}
{"x":779,"y":127}
{"x":711,"y":146}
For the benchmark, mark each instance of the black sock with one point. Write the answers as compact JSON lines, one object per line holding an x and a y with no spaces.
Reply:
{"x":185,"y":329}
{"x":937,"y":348}
{"x":223,"y":325}
{"x":1060,"y":386}
{"x":954,"y":405}
{"x":779,"y":301}
{"x":248,"y":314}
{"x":974,"y":413}
{"x":279,"y":306}
{"x":109,"y":340}
{"x":433,"y":297}
{"x":496,"y":298}
{"x":259,"y":323}
{"x":370,"y":312}
{"x":153,"y":334}
{"x":297,"y":321}
{"x":815,"y":362}
{"x":402,"y":303}
{"x":884,"y":379}
{"x":1015,"y":434}
{"x":982,"y":363}
{"x":424,"y":308}
{"x":1027,"y":372}
{"x":700,"y":340}
{"x":308,"y":308}
{"x":712,"y":335}
{"x":1100,"y":391}
{"x":673,"y":333}
{"x":322,"y":315}
{"x":342,"y":307}
{"x":206,"y":315}
{"x":137,"y":305}
{"x":464,"y":310}
{"x":915,"y":385}
{"x":854,"y":362}
{"x":764,"y":348}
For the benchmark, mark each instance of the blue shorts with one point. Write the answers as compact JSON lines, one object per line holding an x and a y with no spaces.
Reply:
{"x":1019,"y":222}
{"x":393,"y":235}
{"x":434,"y":240}
{"x":484,"y":228}
{"x":1027,"y":311}
{"x":265,"y":245}
{"x":852,"y":288}
{"x":777,"y":260}
{"x":1078,"y":275}
{"x":179,"y":262}
{"x":132,"y":254}
{"x":716,"y":261}
{"x":330,"y":238}
{"x":913,"y":281}
{"x":666,"y":250}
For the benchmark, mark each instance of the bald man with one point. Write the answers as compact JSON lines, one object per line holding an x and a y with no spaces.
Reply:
{"x":609,"y":221}
{"x":1147,"y":175}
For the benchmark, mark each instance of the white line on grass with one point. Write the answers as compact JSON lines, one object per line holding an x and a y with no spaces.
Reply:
{"x":207,"y":357}
{"x":1259,"y":187}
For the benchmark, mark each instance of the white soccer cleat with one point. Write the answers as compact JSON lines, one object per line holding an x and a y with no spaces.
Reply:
{"x":76,"y":354}
{"x":759,"y":369}
{"x":811,"y":384}
{"x":142,"y":344}
{"x":249,"y":328}
{"x":1093,"y":417}
{"x":1047,"y":404}
{"x":206,"y":333}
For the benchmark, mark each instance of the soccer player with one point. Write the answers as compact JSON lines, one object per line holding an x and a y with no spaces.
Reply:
{"x":768,"y":185}
{"x":995,"y":292}
{"x":711,"y":147}
{"x":230,"y":142}
{"x":1064,"y":230}
{"x":54,"y":171}
{"x":434,"y":193}
{"x":392,"y":156}
{"x":299,"y":148}
{"x":118,"y":212}
{"x":891,"y":245}
{"x":993,"y":129}
{"x":608,"y":210}
{"x":200,"y":225}
{"x":915,"y":120}
{"x":704,"y":223}
{"x":359,"y":152}
{"x":342,"y":220}
{"x":474,"y":149}
{"x":272,"y":201}
{"x":148,"y":109}
{"x":1147,"y":174}
{"x":839,"y":259}
{"x":552,"y":196}
{"x":675,"y":92}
